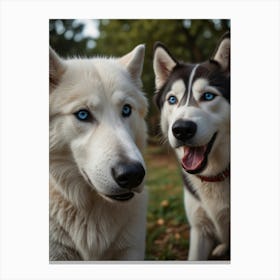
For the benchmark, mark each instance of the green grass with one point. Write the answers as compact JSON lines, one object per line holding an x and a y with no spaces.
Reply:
{"x":167,"y":228}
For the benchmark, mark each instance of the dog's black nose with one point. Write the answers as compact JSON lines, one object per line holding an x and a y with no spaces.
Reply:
{"x":128,"y":174}
{"x":184,"y":130}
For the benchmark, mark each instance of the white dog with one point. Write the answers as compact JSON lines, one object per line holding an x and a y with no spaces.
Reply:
{"x":97,"y":130}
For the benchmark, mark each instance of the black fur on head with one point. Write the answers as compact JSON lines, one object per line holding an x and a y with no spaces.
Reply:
{"x":216,"y":70}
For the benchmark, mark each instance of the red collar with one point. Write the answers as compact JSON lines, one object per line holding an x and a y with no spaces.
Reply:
{"x":218,"y":178}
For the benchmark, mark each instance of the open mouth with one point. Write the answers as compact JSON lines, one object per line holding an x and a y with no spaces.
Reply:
{"x":195,"y":158}
{"x":122,"y":197}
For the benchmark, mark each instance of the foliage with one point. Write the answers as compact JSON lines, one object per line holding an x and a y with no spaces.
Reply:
{"x":167,"y":228}
{"x":66,"y":37}
{"x":188,"y":40}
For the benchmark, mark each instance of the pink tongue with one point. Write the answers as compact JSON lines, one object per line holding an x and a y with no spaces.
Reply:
{"x":193,"y":157}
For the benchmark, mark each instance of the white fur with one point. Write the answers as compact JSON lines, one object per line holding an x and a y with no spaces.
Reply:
{"x":161,"y":58}
{"x":209,"y":218}
{"x":82,"y":154}
{"x":190,"y":83}
{"x":223,"y":54}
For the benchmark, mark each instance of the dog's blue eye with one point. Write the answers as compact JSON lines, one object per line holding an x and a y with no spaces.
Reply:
{"x":208,"y":96}
{"x":83,"y":115}
{"x":126,"y":110}
{"x":172,"y":100}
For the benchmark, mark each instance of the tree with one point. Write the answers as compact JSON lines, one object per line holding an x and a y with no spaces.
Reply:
{"x":66,"y":37}
{"x":188,"y":40}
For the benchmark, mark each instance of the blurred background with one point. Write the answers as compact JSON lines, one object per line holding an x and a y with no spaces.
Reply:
{"x":188,"y":40}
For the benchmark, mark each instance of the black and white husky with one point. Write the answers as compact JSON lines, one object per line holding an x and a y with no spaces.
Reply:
{"x":194,"y":100}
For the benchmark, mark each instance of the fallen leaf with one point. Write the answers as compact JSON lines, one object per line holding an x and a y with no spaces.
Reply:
{"x":164,"y":203}
{"x":160,"y":222}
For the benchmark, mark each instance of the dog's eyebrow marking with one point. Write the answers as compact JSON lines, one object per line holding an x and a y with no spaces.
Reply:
{"x":178,"y":87}
{"x":190,"y":83}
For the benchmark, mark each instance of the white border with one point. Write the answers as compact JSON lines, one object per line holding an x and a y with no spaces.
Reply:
{"x":255,"y":138}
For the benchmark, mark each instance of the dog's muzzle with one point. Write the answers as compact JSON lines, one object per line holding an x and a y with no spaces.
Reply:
{"x":195,"y":157}
{"x":184,"y":130}
{"x":128,"y":175}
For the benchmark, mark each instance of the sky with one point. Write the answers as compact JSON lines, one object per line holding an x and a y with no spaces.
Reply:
{"x":91,"y":27}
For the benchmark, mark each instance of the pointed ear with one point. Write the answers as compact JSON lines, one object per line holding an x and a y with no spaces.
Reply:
{"x":163,"y":64}
{"x":56,"y":69}
{"x":133,"y":62}
{"x":222,"y":53}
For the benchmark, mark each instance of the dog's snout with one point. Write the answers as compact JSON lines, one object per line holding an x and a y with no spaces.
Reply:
{"x":184,"y":130}
{"x":129,"y":174}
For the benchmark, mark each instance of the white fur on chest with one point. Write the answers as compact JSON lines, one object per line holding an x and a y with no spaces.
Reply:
{"x":104,"y":230}
{"x":214,"y":200}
